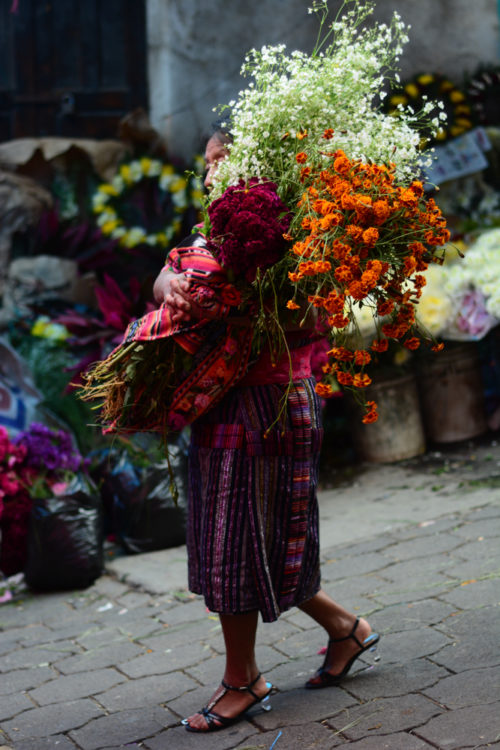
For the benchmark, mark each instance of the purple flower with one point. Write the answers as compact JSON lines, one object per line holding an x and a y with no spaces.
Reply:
{"x":49,"y":450}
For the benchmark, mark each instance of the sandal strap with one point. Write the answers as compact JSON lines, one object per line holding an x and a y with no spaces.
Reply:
{"x":241,"y":688}
{"x":346,"y":637}
{"x":212,"y":717}
{"x":207,"y":709}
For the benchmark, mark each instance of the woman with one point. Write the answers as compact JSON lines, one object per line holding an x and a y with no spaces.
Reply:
{"x":253,"y":517}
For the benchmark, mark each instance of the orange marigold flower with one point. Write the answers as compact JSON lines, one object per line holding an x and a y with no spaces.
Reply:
{"x":369,"y":279}
{"x":287,"y":237}
{"x":292,"y":305}
{"x":348,"y":202}
{"x":322,"y":206}
{"x":361,"y":380}
{"x":419,"y":281}
{"x":339,"y":321}
{"x":438,"y":347}
{"x":340,"y":352}
{"x":390,"y":330}
{"x":329,"y":221}
{"x":324,"y":390}
{"x":304,"y":173}
{"x":370,"y":417}
{"x":412,"y":343}
{"x":381,"y":210}
{"x":410,"y":265}
{"x":328,"y":134}
{"x":417,"y":187}
{"x":407,"y":197}
{"x":370,"y":236}
{"x":294,"y":277}
{"x":375,"y":266}
{"x":340,"y":251}
{"x":301,"y":134}
{"x":355,"y":232}
{"x":334,"y":303}
{"x":344,"y":378}
{"x":380,"y":345}
{"x":342,"y":164}
{"x":356,"y":290}
{"x":385,"y":307}
{"x":417,"y":249}
{"x":301,"y":157}
{"x":315,"y":300}
{"x":362,"y":357}
{"x":343,"y":274}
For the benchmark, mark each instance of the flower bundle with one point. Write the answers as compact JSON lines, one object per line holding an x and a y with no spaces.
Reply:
{"x":315,"y":161}
{"x":247,"y":227}
{"x":361,"y":240}
{"x":340,"y":85}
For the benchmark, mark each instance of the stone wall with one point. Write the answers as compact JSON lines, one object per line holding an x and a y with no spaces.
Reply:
{"x":196,"y":48}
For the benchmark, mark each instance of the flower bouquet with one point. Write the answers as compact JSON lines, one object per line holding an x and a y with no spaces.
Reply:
{"x":164,"y":375}
{"x":346,"y":224}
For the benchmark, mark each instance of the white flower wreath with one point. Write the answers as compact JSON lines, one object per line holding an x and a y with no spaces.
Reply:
{"x":129,"y":175}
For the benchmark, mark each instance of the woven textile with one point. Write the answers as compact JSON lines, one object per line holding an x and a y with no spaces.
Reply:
{"x":253,"y":538}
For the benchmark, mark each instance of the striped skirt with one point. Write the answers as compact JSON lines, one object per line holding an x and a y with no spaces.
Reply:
{"x":253,"y":537}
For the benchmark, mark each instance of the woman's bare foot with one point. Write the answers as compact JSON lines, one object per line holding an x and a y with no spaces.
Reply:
{"x":229,"y":704}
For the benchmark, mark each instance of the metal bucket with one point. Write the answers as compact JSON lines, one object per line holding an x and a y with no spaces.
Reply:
{"x":452,"y":395}
{"x":398,"y":433}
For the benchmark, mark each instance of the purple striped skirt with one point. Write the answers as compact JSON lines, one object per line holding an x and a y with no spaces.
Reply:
{"x":253,"y":538}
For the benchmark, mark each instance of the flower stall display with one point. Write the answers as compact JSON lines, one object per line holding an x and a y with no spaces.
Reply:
{"x":473,"y":286}
{"x":15,"y":504}
{"x":350,"y":227}
{"x":39,"y":463}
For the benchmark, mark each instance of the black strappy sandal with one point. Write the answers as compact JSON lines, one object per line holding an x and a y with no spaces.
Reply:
{"x":215,"y":721}
{"x":327,"y":679}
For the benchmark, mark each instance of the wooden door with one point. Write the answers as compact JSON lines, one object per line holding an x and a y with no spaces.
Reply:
{"x":70,"y":68}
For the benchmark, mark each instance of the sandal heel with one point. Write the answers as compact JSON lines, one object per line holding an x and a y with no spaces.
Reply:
{"x":371,"y":658}
{"x":262,"y":707}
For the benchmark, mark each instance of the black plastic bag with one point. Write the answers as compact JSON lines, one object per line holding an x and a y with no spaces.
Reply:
{"x":65,"y":539}
{"x":146,"y":515}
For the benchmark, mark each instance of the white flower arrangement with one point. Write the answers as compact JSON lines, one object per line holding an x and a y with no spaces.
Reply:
{"x":337,"y":87}
{"x":480,"y":271}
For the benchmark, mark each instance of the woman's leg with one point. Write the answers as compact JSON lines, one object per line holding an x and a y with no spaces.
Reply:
{"x":241,"y":669}
{"x":338,"y":623}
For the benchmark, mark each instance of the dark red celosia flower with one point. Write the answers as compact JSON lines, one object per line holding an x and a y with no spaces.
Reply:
{"x":248,"y":223}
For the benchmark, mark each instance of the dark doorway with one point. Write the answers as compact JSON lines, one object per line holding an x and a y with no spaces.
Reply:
{"x":70,"y":68}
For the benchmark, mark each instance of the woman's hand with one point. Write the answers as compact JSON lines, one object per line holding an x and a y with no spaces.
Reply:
{"x":172,"y":289}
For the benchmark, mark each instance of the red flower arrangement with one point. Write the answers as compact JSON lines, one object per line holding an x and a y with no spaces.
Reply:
{"x":248,"y":222}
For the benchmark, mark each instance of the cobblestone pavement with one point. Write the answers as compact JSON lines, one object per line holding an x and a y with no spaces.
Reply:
{"x":116,"y":666}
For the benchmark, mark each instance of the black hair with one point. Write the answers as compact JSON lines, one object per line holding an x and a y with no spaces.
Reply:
{"x":219,"y":129}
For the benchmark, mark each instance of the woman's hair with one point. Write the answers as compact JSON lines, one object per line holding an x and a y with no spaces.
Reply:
{"x":220,"y":131}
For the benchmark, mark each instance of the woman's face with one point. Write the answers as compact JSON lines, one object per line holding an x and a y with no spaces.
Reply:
{"x":214,"y":153}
